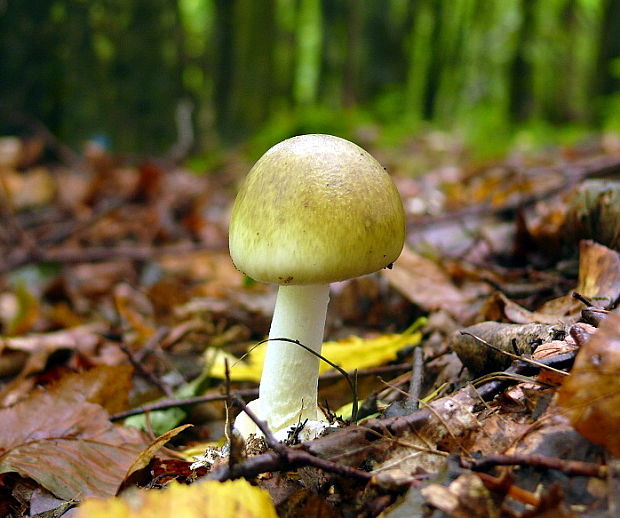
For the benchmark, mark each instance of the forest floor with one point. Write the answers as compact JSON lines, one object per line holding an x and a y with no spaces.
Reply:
{"x":486,"y":359}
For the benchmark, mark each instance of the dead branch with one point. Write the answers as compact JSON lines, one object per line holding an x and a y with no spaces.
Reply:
{"x":248,"y":393}
{"x":359,"y":438}
{"x":21,"y":258}
{"x":173,"y":403}
{"x":568,"y":467}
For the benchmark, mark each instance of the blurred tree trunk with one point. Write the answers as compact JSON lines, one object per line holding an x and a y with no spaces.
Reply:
{"x":609,"y":50}
{"x":245,"y":67}
{"x":309,"y":50}
{"x":353,"y":60}
{"x":521,"y":69}
{"x":29,"y":85}
{"x":420,"y":60}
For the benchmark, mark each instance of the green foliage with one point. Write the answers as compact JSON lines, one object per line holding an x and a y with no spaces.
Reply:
{"x":268,"y":69}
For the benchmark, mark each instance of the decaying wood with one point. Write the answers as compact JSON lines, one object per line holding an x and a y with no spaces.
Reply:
{"x":520,"y":339}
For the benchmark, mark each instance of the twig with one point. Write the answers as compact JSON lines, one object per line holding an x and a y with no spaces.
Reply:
{"x":272,"y":462}
{"x":415,"y":389}
{"x":236,"y":444}
{"x":282,"y":458}
{"x":149,"y":375}
{"x":171,"y":403}
{"x":86,"y":255}
{"x":569,"y":467}
{"x":504,"y":485}
{"x":581,"y":298}
{"x":271,"y":441}
{"x":247,"y":393}
{"x":363,"y":437}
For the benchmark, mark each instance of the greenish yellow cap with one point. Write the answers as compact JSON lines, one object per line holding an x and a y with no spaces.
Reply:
{"x":316,"y":209}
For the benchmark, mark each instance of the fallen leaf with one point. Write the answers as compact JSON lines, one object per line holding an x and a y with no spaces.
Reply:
{"x":594,"y":212}
{"x":520,"y":315}
{"x":105,"y":385}
{"x":236,"y":498}
{"x":39,"y":346}
{"x":425,"y":283}
{"x":599,"y":274}
{"x":599,"y":281}
{"x":465,"y":497}
{"x":66,"y":443}
{"x":148,"y":453}
{"x":590,"y":396}
{"x":350,"y":353}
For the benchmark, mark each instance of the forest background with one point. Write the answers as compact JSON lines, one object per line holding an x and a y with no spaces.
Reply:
{"x":499,"y":122}
{"x":498,"y":73}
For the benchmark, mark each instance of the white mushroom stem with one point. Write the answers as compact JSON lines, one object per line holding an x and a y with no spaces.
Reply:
{"x":289,"y":383}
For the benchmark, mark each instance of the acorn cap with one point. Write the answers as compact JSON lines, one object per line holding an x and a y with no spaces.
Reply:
{"x":316,"y":209}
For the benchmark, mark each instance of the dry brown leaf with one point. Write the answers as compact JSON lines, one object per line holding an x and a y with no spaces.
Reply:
{"x":599,"y":281}
{"x":106,"y":385}
{"x":591,"y":394}
{"x":39,"y":346}
{"x":520,"y":315}
{"x":148,"y":453}
{"x":599,"y":273}
{"x":66,"y":443}
{"x":594,"y":212}
{"x":425,"y":283}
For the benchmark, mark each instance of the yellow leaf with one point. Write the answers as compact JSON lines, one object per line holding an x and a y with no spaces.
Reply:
{"x":201,"y":500}
{"x":350,"y":353}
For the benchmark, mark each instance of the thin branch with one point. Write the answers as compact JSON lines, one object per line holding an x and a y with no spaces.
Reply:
{"x":568,"y":467}
{"x":271,"y":441}
{"x":172,"y":403}
{"x":415,"y":388}
{"x":86,"y":255}
{"x":149,"y":375}
{"x":246,"y":393}
{"x":282,"y":458}
{"x":271,"y":462}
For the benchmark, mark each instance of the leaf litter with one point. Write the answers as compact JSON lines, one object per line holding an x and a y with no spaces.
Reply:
{"x":117,"y":295}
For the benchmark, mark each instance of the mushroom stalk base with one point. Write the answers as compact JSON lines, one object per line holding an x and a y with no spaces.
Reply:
{"x":289,"y":383}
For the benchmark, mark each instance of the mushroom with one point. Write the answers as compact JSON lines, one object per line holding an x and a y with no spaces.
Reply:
{"x":314,"y":209}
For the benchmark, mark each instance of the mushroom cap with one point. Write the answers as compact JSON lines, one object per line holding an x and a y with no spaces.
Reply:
{"x":316,"y":209}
